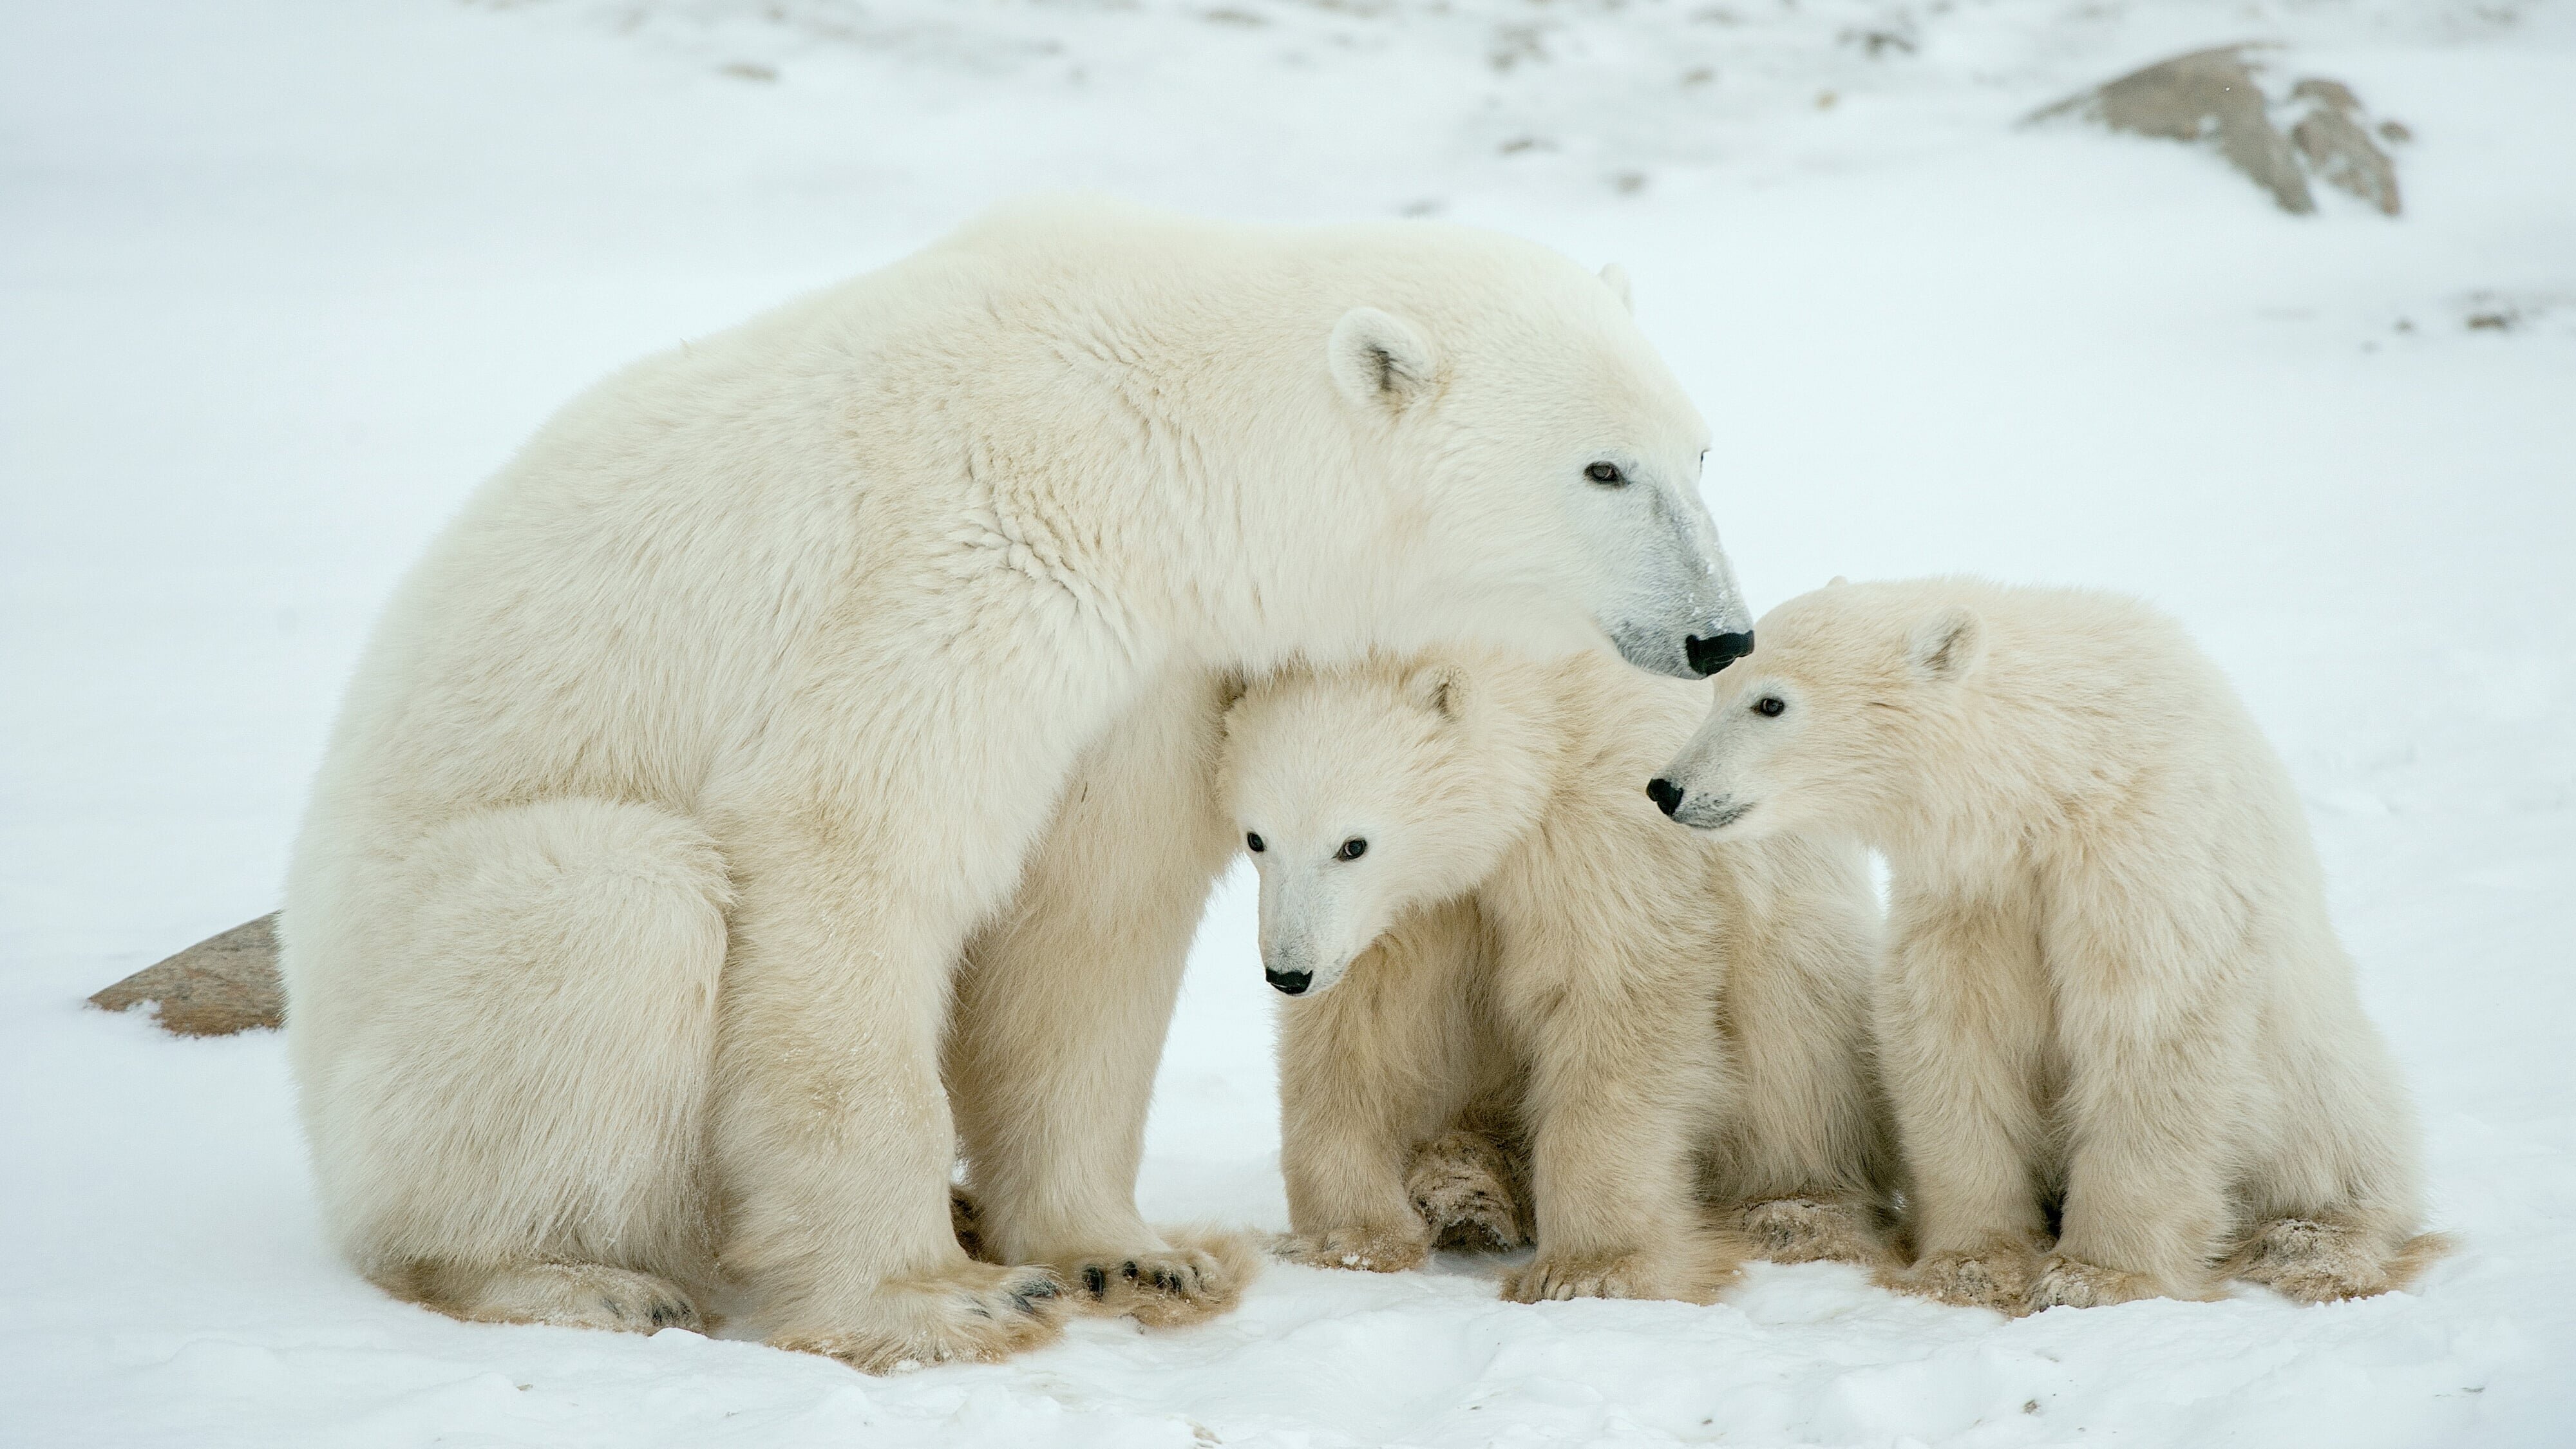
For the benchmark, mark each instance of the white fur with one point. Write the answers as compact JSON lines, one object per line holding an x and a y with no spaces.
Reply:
{"x":680,"y":773}
{"x":1540,"y":969}
{"x":2114,"y":996}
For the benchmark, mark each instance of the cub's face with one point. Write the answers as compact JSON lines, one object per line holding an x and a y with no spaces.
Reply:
{"x":1759,"y":763}
{"x":1357,"y":800}
{"x":1814,"y":731}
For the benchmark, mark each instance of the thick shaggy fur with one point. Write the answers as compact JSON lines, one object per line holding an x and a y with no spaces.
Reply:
{"x":1565,"y":1020}
{"x":2115,"y":1014}
{"x":720,"y":728}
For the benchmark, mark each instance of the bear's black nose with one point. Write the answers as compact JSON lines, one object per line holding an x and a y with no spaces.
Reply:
{"x":1290,"y":983}
{"x":1666,"y":795}
{"x":1717,"y":651}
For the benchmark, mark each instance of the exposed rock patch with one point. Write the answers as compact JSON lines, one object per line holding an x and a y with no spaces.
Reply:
{"x":2317,"y":129}
{"x":221,"y":985}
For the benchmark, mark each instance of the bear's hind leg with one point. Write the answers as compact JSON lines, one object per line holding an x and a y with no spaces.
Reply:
{"x":1817,"y":1229}
{"x":1462,"y":1184}
{"x":2321,"y":1260}
{"x":567,"y":1295}
{"x":505,"y":1040}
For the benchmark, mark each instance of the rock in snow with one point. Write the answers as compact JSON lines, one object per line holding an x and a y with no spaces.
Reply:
{"x":223,"y":984}
{"x":2215,"y":97}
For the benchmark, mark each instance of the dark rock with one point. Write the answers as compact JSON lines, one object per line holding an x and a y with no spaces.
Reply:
{"x":221,"y":985}
{"x":2206,"y":97}
{"x":2331,"y":140}
{"x":2215,"y":98}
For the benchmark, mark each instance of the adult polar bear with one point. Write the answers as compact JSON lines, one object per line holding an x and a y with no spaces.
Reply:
{"x":677,"y":777}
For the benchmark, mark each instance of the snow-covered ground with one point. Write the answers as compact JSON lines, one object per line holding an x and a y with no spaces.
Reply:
{"x":280,"y":279}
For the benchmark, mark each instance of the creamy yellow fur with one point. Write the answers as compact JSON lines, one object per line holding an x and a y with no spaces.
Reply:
{"x":1545,"y":963}
{"x":2124,"y":1048}
{"x":725,"y":722}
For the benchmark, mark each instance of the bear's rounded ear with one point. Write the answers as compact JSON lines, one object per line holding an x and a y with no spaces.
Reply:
{"x":1615,"y":277}
{"x":1836,"y":582}
{"x":1949,"y":644}
{"x":1380,"y":360}
{"x":1438,"y":688}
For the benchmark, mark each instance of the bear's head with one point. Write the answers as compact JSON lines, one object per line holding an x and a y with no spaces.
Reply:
{"x":1364,"y":791}
{"x":1823,"y":727}
{"x":1545,"y":455}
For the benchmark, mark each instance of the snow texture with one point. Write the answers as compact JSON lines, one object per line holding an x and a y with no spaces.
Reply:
{"x":280,"y":279}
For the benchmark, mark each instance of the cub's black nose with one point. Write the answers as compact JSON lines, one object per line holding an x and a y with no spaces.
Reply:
{"x":1666,"y":795}
{"x":1290,"y":983}
{"x":1717,"y":651}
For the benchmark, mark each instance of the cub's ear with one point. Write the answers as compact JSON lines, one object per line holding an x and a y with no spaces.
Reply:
{"x":1440,"y":689}
{"x":1836,"y":582}
{"x":1615,"y":277}
{"x":1949,"y":644}
{"x":1380,"y":360}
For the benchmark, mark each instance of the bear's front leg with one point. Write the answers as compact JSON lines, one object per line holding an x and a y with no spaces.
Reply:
{"x":1963,"y":1029}
{"x":1367,"y":1070}
{"x":1624,"y":1078}
{"x":831,"y":1134}
{"x":1062,"y":1007}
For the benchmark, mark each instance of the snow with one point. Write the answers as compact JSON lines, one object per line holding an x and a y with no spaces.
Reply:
{"x":280,"y":279}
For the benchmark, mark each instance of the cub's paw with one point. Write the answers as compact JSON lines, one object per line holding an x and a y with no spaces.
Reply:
{"x":2318,"y":1262}
{"x":2064,"y":1282}
{"x":969,"y":1313}
{"x":1812,"y":1230}
{"x":1997,"y":1276}
{"x":569,"y":1295}
{"x":1201,"y":1275}
{"x":1368,"y":1249}
{"x":1461,"y":1185}
{"x":1694,"y":1274}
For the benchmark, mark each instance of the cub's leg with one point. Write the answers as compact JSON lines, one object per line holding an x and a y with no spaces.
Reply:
{"x":2155,"y":1017}
{"x":505,"y":1041}
{"x":1626,"y":1071}
{"x":1366,"y":1070}
{"x":1804,"y":1166}
{"x":1963,"y":1029}
{"x":1062,"y":1006}
{"x":2336,"y":1203}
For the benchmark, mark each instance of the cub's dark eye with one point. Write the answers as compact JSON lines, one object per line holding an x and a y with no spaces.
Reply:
{"x":1253,"y":842}
{"x":1606,"y":474}
{"x":1768,"y":704}
{"x":1352,"y":849}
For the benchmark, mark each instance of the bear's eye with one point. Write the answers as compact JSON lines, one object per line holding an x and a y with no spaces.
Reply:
{"x":1605,"y":474}
{"x":1769,"y":704}
{"x":1253,"y":842}
{"x":1352,"y":849}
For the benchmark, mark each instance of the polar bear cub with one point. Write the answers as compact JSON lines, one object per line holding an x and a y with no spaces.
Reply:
{"x":1546,"y":993}
{"x":2114,"y":1006}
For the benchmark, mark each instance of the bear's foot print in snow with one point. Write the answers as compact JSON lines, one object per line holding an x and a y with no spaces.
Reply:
{"x":1996,"y":1277}
{"x":2318,"y":1262}
{"x":566,"y":1295}
{"x":1461,"y":1185}
{"x":1812,"y":1230}
{"x":1201,"y":1275}
{"x":1369,"y":1249}
{"x":971,"y":1313}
